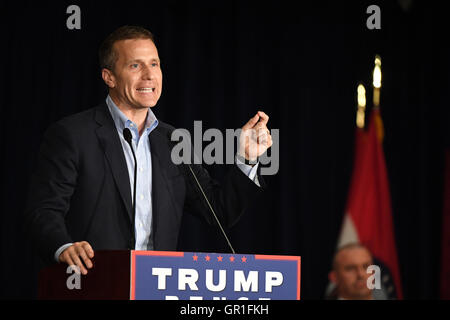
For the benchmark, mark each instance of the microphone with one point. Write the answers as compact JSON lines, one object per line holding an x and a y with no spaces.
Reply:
{"x":209,"y":204}
{"x":128,"y":137}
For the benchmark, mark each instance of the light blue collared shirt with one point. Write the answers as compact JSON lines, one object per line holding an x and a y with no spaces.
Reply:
{"x":141,"y":146}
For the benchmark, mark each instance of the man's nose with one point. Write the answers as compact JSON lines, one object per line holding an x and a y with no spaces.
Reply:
{"x":362,"y":272}
{"x":147,"y":73}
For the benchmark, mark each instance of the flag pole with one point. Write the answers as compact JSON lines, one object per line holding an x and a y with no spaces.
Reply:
{"x":376,"y":98}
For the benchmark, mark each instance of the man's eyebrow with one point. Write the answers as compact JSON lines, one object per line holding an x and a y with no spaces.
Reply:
{"x":139,"y":60}
{"x":134,"y":60}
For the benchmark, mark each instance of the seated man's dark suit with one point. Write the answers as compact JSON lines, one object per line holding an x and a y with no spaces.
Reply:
{"x":81,"y":188}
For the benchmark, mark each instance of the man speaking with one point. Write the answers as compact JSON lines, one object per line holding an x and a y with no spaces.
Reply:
{"x":105,"y":179}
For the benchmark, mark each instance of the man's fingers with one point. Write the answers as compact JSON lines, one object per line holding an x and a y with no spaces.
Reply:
{"x":264,"y":138}
{"x":262,"y":135}
{"x":250,"y":124}
{"x":65,"y":257}
{"x":260,"y":120}
{"x":84,"y":255}
{"x":263,"y":118}
{"x":70,"y":257}
{"x":76,"y":261}
{"x":261,"y":129}
{"x":87,"y":247}
{"x":268,"y":142}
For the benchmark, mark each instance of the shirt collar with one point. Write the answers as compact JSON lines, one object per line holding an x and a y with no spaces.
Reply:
{"x":121,"y":121}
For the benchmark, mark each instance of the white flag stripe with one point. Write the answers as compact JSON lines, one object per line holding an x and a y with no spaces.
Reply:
{"x":348,"y":232}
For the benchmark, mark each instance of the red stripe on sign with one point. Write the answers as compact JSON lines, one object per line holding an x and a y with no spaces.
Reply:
{"x":160,"y":253}
{"x":266,"y":257}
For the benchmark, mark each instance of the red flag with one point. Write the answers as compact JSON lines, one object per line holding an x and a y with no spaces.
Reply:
{"x":445,"y":258}
{"x":368,"y":216}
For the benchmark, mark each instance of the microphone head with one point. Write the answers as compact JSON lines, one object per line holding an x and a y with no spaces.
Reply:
{"x":127,"y":135}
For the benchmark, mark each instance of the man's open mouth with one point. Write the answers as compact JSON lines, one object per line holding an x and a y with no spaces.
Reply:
{"x":145,"y":89}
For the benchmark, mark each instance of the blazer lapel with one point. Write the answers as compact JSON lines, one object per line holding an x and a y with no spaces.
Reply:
{"x":109,"y":139}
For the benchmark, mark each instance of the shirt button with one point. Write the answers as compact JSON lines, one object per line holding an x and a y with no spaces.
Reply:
{"x":140,"y":225}
{"x":141,"y":196}
{"x":140,"y":169}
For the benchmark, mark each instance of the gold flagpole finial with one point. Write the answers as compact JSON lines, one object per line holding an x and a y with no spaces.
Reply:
{"x":361,"y":106}
{"x":377,"y":81}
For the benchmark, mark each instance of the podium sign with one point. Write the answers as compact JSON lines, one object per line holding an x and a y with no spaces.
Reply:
{"x":159,"y":275}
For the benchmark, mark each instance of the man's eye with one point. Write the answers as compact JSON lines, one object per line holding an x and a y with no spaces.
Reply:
{"x":350,"y":268}
{"x":154,"y":64}
{"x":134,"y":65}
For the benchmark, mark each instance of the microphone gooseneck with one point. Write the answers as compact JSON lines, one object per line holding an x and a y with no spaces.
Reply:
{"x":171,"y":144}
{"x":211,"y":209}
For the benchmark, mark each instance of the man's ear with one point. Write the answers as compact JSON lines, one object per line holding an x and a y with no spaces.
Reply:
{"x":109,"y":78}
{"x":332,"y":277}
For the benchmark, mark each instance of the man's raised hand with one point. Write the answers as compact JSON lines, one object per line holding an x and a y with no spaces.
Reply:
{"x":255,"y":137}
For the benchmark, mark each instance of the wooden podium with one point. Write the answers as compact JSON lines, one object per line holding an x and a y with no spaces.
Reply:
{"x":109,"y":279}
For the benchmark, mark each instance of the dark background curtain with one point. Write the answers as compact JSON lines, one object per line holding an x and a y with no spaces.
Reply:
{"x":300,"y":62}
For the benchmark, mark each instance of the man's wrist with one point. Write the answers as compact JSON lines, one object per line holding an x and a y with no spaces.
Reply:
{"x":246,"y":161}
{"x":249,"y":170}
{"x":61,"y":250}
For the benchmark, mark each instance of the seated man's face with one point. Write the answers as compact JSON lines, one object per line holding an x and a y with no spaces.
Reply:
{"x":350,"y":274}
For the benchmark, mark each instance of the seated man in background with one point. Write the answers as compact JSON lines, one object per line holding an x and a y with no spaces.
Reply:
{"x":349,"y":274}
